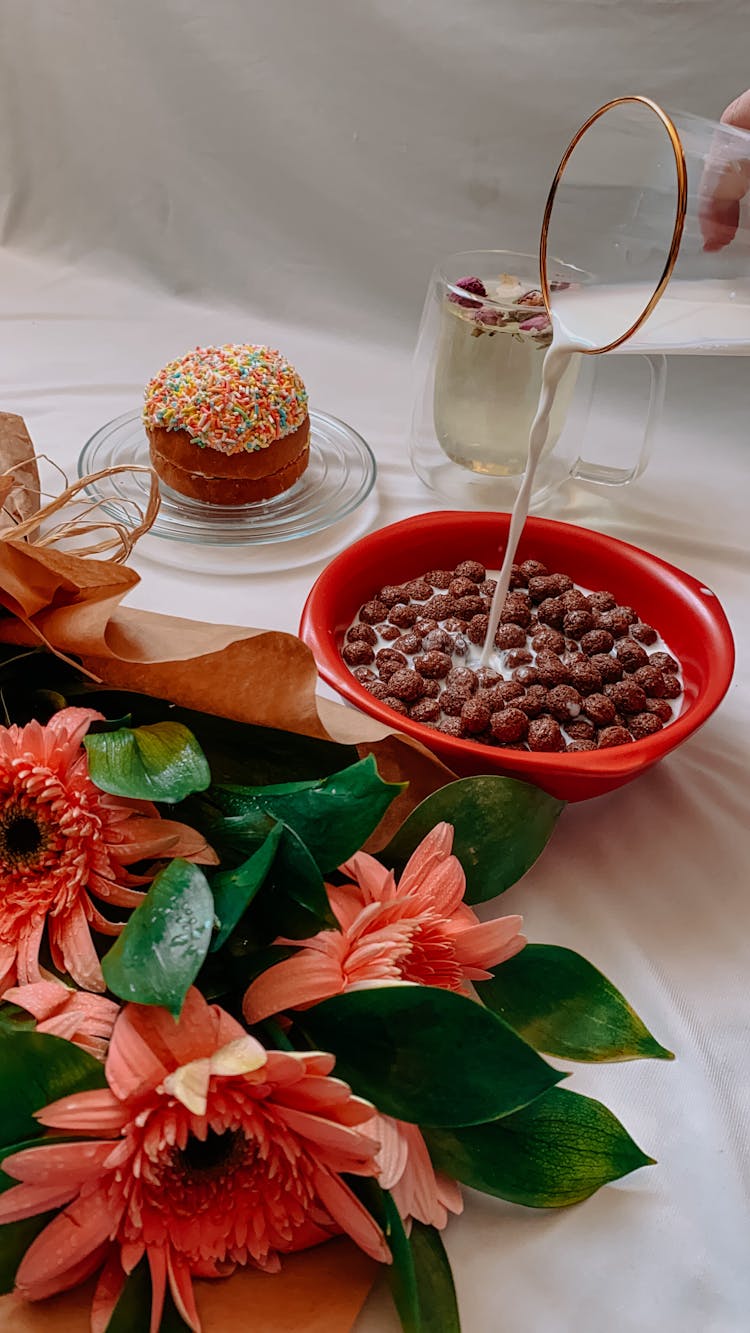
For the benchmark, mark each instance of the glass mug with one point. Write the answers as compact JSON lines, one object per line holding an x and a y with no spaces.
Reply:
{"x":478,"y":367}
{"x":653,"y":208}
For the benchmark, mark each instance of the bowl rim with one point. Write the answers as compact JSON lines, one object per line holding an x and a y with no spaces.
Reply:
{"x":619,"y":761}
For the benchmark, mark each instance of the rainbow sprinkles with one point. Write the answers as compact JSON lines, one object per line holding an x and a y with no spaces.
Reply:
{"x":232,"y":398}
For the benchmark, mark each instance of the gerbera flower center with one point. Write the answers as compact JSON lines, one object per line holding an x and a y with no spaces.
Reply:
{"x":211,"y":1156}
{"x":21,"y":839}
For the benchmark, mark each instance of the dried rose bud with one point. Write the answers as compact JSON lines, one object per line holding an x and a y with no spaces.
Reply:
{"x":473,"y":285}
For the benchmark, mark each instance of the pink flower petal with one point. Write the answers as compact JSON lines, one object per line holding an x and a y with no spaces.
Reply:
{"x":68,"y":1240}
{"x":40,"y":998}
{"x":146,"y":838}
{"x":295,"y":983}
{"x":96,"y":1112}
{"x":393,"y":1154}
{"x":351,"y":1216}
{"x":157,"y":1262}
{"x":58,"y":1164}
{"x":181,"y":1287}
{"x":71,"y":934}
{"x":346,"y":903}
{"x":107,"y":1294}
{"x":44,"y":1287}
{"x":489,"y":942}
{"x":28,"y":1200}
{"x":340,"y":1142}
{"x":373,"y":879}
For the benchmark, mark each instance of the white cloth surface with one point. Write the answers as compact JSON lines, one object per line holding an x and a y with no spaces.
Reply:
{"x":175,"y":174}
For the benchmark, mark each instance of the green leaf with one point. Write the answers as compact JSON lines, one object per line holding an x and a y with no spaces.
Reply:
{"x":428,"y":1055}
{"x":556,"y":1151}
{"x":562,"y":1005}
{"x":294,"y":901}
{"x":501,"y":827}
{"x":163,"y":762}
{"x":419,"y":1277}
{"x":234,"y":890}
{"x":36,"y":1069}
{"x":133,"y":1308}
{"x":159,"y":953}
{"x":15,"y":1019}
{"x":437,"y":1294}
{"x":333,"y":817}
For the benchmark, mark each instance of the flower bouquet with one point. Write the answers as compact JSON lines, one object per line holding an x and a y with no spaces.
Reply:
{"x":228,"y":1033}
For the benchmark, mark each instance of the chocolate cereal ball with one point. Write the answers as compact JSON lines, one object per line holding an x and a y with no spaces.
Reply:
{"x":661,"y":708}
{"x":510,"y":636}
{"x":551,"y":612}
{"x":672,"y":687}
{"x":471,"y":569}
{"x":425,"y":710}
{"x":643,"y":633}
{"x":397,"y":705}
{"x":611,"y":736}
{"x":534,"y":701}
{"x":373,"y":611}
{"x":509,"y":724}
{"x":475,"y":715}
{"x":533,"y":569}
{"x":585,"y":677}
{"x":582,"y":729}
{"x":361,"y":634}
{"x":600,"y":709}
{"x":433,"y":665}
{"x":406,"y":685}
{"x":408,"y":643}
{"x":461,"y":679}
{"x":631,"y":654}
{"x":627,"y":696}
{"x":439,"y":578}
{"x":650,"y":679}
{"x":664,"y":661}
{"x":419,"y":589}
{"x":597,"y":641}
{"x":402,"y":615}
{"x":577,"y":623}
{"x":548,"y":640}
{"x":545,"y":735}
{"x":644,"y":724}
{"x":392,"y":593}
{"x":358,"y":653}
{"x":437,"y":641}
{"x":608,"y":667}
{"x":581,"y":745}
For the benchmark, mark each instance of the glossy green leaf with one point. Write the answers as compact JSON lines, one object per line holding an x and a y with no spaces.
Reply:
{"x":419,"y":1276}
{"x":556,"y":1151}
{"x":36,"y":1069}
{"x":562,"y":1005}
{"x":234,"y":890}
{"x":428,"y":1055}
{"x":293,"y":901}
{"x":333,"y":816}
{"x":15,"y":1019}
{"x":16,"y":1237}
{"x":133,"y":1309}
{"x":163,"y":762}
{"x":159,"y":953}
{"x":501,"y":827}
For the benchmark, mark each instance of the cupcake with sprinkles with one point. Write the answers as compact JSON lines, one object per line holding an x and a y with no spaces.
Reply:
{"x":228,"y":425}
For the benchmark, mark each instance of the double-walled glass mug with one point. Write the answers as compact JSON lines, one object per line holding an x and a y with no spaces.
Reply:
{"x":651,"y":206}
{"x":478,"y":373}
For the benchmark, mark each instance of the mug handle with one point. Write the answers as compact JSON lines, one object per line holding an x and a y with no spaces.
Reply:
{"x":603,"y":475}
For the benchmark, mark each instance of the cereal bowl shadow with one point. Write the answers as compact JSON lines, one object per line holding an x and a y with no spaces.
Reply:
{"x":686,"y":614}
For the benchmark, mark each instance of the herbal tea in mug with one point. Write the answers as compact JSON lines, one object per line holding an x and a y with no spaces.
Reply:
{"x":493,"y":336}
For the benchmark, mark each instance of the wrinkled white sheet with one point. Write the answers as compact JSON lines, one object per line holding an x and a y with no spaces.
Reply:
{"x":175,"y":174}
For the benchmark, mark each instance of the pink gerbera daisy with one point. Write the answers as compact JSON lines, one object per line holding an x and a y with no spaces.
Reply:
{"x":418,"y":929}
{"x":205,"y":1151}
{"x":86,"y":1020}
{"x":63,"y":842}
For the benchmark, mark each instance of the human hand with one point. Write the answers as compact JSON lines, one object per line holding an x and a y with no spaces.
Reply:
{"x":725,"y":184}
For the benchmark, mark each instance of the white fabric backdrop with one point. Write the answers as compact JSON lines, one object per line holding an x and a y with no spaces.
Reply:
{"x":174,"y":174}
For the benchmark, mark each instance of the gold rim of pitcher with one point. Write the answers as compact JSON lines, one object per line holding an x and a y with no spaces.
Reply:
{"x":679,"y":221}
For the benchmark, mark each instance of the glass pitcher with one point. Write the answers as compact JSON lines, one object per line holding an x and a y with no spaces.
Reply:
{"x":651,"y":207}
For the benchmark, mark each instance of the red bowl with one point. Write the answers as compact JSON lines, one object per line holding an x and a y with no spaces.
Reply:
{"x":686,"y":614}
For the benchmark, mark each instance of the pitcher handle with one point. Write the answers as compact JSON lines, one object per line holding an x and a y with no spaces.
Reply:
{"x":603,"y":475}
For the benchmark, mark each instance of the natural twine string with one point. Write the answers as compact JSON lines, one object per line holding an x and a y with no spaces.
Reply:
{"x":122,"y":538}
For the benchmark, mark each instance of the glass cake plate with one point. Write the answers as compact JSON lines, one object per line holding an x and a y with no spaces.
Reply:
{"x":340,"y":475}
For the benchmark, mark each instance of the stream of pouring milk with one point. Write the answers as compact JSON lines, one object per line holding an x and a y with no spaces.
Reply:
{"x":704,"y":317}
